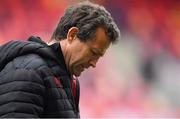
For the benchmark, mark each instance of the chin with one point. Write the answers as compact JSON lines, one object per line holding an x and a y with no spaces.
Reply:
{"x":77,"y":74}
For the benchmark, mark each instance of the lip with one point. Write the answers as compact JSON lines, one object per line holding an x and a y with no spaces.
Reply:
{"x":85,"y":66}
{"x":82,"y":68}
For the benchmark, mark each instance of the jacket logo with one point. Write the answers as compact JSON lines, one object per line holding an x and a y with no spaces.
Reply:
{"x":58,"y":82}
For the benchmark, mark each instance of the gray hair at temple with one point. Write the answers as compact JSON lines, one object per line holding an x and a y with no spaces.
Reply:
{"x":87,"y":17}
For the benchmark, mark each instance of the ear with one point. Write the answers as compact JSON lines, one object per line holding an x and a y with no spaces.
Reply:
{"x":71,"y":35}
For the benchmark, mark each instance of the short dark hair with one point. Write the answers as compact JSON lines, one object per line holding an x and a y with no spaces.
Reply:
{"x":87,"y":17}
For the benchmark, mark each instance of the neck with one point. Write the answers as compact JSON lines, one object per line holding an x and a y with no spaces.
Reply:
{"x":63,"y":44}
{"x":64,"y":48}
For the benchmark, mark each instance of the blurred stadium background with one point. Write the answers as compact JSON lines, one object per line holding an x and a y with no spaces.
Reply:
{"x":139,"y":77}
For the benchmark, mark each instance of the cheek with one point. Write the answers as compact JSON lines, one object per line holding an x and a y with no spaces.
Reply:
{"x":77,"y":58}
{"x":83,"y":57}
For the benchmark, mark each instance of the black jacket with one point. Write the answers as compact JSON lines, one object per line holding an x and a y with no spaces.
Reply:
{"x":34,"y":81}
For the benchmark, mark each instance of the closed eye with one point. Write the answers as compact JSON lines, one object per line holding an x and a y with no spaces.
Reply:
{"x":94,"y":52}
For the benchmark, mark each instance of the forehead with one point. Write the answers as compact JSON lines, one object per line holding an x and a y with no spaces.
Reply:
{"x":101,"y":40}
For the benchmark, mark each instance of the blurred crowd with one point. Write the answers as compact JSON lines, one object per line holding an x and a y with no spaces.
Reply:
{"x":138,"y":77}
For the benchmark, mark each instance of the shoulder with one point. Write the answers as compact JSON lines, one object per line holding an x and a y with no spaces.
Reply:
{"x":23,"y":68}
{"x":29,"y":62}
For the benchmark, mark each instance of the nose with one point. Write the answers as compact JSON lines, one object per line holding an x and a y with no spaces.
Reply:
{"x":93,"y":63}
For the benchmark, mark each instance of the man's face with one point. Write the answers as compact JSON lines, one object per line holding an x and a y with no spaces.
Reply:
{"x":83,"y":55}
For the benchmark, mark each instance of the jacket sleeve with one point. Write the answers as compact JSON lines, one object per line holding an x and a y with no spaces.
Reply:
{"x":21,"y":94}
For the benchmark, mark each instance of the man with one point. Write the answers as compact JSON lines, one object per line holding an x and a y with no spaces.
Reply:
{"x":38,"y":79}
